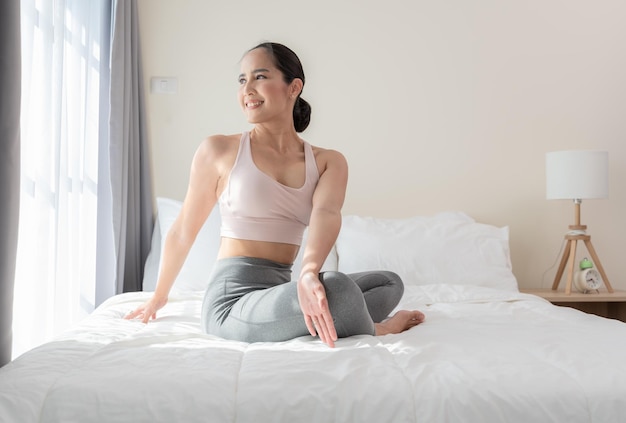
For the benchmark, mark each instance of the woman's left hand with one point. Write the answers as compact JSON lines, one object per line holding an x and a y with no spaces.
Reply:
{"x":314,"y":305}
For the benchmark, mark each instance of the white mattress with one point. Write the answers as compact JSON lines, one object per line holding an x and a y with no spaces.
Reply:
{"x":482,"y":355}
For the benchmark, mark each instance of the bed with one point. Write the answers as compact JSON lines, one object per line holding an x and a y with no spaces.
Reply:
{"x":486,"y":352}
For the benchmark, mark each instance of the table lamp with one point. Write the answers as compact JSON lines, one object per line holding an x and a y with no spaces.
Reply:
{"x":577,"y":175}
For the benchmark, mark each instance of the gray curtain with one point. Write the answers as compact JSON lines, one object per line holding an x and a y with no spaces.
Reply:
{"x":131,"y":182}
{"x":10,"y":96}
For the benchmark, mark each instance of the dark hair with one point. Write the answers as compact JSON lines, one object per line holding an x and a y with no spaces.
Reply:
{"x":289,"y":65}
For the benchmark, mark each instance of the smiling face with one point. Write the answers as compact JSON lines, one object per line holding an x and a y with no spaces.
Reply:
{"x":263,"y":93}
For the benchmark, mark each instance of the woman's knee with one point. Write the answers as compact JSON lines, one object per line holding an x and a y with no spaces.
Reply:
{"x":339,"y":285}
{"x":347,"y":305}
{"x":395,"y":283}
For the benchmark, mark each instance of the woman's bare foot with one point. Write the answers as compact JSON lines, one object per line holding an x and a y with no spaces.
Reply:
{"x":399,"y":322}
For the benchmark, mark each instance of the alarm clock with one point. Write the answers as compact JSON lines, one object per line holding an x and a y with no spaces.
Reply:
{"x":587,"y":279}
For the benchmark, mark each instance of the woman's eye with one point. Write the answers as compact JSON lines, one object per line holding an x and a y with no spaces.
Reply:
{"x":242,"y":81}
{"x":261,"y":77}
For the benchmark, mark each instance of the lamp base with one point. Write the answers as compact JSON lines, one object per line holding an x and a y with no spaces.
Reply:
{"x":578,"y":227}
{"x":569,"y":259}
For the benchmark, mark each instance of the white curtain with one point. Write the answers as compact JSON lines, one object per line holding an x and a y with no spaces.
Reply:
{"x":63,"y":58}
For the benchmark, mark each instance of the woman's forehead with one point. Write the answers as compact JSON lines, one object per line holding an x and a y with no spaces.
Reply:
{"x":257,"y":58}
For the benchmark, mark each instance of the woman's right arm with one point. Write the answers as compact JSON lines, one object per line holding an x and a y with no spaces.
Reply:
{"x":199,"y":202}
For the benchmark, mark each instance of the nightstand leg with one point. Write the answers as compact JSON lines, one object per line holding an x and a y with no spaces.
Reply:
{"x":596,"y":260}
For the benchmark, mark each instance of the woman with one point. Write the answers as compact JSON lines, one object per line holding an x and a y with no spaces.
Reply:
{"x":270,"y":185}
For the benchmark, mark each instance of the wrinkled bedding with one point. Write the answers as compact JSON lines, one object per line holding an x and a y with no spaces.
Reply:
{"x":482,"y":355}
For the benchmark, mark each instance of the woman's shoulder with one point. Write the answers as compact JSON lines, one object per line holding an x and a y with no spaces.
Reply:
{"x":218,"y":150}
{"x":219,"y":144}
{"x":327,"y":154}
{"x":222,"y":141}
{"x":328,"y":158}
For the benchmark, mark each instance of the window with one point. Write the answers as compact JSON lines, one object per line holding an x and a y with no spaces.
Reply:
{"x":61,"y":67}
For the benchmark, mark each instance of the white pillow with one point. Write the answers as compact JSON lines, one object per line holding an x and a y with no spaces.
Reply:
{"x":448,"y":248}
{"x":194,"y":274}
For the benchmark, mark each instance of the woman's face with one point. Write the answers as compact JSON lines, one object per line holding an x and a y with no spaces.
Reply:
{"x":263,"y":94}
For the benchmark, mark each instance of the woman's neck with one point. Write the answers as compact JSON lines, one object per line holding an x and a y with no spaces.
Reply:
{"x":279,"y":138}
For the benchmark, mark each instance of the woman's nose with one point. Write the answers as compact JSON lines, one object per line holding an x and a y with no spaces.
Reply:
{"x":248,"y":88}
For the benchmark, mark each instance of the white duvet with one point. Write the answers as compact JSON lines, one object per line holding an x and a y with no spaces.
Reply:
{"x":483,"y":355}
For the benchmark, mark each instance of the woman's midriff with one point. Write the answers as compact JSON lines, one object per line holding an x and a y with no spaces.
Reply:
{"x":275,"y":251}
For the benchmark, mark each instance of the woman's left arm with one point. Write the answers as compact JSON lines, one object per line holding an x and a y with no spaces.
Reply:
{"x":323,"y":229}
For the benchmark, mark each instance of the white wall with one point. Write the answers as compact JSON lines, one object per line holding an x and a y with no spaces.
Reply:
{"x":438,"y":105}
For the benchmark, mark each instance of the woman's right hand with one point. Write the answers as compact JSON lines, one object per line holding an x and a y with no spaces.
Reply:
{"x":314,"y":306}
{"x":147,"y":310}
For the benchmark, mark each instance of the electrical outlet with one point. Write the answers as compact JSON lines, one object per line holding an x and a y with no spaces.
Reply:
{"x":163,"y":85}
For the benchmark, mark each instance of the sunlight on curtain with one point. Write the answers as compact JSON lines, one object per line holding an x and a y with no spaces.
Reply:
{"x":56,"y":260}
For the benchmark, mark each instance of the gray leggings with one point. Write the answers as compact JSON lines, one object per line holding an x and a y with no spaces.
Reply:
{"x":254,"y":300}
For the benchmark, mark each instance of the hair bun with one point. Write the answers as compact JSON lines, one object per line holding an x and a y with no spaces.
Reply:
{"x":301,"y":114}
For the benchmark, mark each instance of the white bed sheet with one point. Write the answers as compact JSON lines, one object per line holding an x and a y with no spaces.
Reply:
{"x":483,"y":355}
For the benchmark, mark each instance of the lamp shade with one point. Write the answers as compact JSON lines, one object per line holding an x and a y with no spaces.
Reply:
{"x":577,"y":175}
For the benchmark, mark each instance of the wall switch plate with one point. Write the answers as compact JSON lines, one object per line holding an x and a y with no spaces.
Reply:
{"x":163,"y":85}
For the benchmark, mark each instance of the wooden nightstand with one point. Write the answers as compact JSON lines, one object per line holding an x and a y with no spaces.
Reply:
{"x":602,"y":304}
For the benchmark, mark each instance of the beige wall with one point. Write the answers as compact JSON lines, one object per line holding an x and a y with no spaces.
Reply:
{"x":438,"y":105}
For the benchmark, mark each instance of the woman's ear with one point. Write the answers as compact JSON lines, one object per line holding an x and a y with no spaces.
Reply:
{"x":296,"y":87}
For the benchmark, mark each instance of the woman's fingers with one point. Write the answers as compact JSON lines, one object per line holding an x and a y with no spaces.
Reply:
{"x":324,"y":326}
{"x":147,"y":310}
{"x":133,"y":313}
{"x":317,"y":317}
{"x":325,"y":319}
{"x":310,"y":325}
{"x":148,"y":316}
{"x":141,"y":312}
{"x":325,"y":329}
{"x":330,"y":327}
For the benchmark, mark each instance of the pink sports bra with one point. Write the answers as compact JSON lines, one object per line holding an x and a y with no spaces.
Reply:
{"x":256,"y":207}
